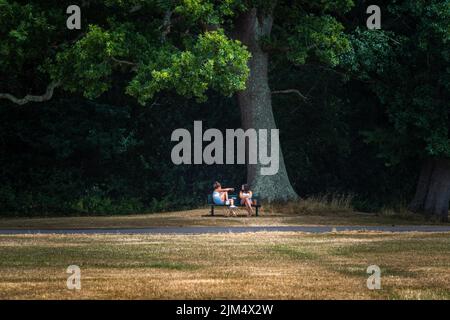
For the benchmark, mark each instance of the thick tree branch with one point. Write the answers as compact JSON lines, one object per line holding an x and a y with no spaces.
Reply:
{"x":290,"y":91}
{"x":32,"y":98}
{"x":125,"y":62}
{"x":166,"y":25}
{"x":133,"y":65}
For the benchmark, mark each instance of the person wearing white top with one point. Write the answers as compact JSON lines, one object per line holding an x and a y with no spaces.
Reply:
{"x":220,"y":195}
{"x":246,"y":198}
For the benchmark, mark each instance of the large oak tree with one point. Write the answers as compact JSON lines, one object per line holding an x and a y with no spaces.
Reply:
{"x":186,"y":46}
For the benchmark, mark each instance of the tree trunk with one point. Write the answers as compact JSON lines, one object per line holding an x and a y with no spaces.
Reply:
{"x":256,"y":105}
{"x":417,"y":204}
{"x":433,"y":189}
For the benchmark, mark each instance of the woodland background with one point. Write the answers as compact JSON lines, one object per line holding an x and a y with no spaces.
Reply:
{"x":365,"y":127}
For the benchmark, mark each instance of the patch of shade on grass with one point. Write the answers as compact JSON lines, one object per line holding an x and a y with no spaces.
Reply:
{"x":201,"y":217}
{"x":297,"y":253}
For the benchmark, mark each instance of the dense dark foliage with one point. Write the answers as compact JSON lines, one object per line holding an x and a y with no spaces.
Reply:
{"x":74,"y":156}
{"x":372,"y":113}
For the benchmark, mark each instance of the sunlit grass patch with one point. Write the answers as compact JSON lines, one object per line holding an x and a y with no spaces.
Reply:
{"x":360,"y":270}
{"x":263,"y":265}
{"x":420,"y":294}
{"x":395,"y":246}
{"x":172,"y":265}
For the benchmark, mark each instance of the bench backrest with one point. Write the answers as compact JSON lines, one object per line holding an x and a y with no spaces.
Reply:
{"x":231,"y":196}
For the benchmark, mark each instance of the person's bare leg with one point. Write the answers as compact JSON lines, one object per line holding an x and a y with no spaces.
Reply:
{"x":248,"y":204}
{"x":224,"y":197}
{"x":232,"y":209}
{"x":244,"y":202}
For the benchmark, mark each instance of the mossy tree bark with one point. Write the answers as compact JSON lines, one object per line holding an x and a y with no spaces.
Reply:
{"x":256,"y":105}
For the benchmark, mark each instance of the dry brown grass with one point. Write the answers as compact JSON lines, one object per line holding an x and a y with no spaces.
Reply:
{"x":228,"y":266}
{"x":304,"y":212}
{"x":324,"y":204}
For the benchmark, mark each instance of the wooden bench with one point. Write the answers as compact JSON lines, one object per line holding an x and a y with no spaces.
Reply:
{"x":237,"y":202}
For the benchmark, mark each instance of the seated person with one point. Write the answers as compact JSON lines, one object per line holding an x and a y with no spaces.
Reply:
{"x":220,"y":195}
{"x":246,"y":198}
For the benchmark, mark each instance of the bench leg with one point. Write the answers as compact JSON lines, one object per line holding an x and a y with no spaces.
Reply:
{"x":257,"y":211}
{"x":212,"y":210}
